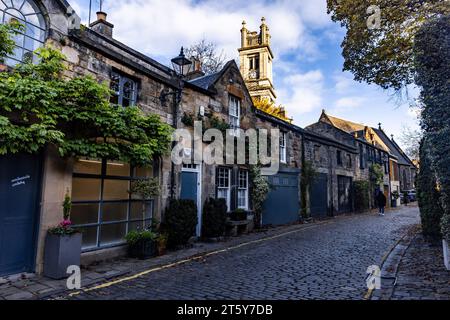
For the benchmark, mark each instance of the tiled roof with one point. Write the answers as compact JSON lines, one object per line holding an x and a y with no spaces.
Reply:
{"x":346,"y":125}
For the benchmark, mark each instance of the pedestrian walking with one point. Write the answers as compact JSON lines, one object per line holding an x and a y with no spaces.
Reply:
{"x":381,"y":200}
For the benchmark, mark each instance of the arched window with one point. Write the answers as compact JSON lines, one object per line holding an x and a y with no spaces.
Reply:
{"x":27,"y":13}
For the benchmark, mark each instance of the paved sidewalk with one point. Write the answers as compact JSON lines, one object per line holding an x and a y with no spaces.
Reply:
{"x":422,"y":274}
{"x":30,"y":286}
{"x":414,"y":270}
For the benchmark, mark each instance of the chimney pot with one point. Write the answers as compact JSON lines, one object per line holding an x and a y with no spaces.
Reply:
{"x":102,"y":26}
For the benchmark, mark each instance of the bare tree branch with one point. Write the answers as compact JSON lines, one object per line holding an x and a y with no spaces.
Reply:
{"x":207,"y":54}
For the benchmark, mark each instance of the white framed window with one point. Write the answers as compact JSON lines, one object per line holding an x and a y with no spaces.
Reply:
{"x":243,"y":190}
{"x":224,"y":185}
{"x":283,"y":142}
{"x":235,"y":113}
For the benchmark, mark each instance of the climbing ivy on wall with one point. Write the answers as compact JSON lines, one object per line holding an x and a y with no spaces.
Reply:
{"x":40,"y":107}
{"x":376,"y":174}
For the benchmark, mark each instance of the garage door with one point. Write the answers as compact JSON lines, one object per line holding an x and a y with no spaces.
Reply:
{"x":283,"y":204}
{"x":318,"y":196}
{"x":20,"y":178}
{"x":345,"y":185}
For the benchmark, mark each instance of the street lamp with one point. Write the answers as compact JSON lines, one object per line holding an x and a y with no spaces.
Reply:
{"x":181,"y":64}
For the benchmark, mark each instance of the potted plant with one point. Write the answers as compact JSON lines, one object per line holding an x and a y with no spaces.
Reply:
{"x":62,"y":246}
{"x":141,"y":244}
{"x":162,"y":243}
{"x":445,"y":226}
{"x":238,"y":215}
{"x":395,"y":196}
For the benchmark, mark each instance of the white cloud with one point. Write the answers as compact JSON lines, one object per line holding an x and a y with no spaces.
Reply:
{"x":348,"y":103}
{"x":302,"y":93}
{"x":343,"y":82}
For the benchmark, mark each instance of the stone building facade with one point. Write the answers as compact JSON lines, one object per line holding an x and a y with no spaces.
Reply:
{"x":102,"y":207}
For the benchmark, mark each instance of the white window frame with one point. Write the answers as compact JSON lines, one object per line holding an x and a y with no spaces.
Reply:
{"x":227,"y":189}
{"x":283,"y":147}
{"x":234,"y":104}
{"x":243,"y":189}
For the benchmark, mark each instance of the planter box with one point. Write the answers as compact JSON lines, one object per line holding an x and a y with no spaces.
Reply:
{"x":446,"y":254}
{"x":143,"y":250}
{"x":60,"y":253}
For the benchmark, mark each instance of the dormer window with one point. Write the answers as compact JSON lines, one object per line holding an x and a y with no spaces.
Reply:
{"x":32,"y":37}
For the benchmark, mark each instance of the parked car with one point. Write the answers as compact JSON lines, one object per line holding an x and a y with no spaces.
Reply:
{"x":412,"y":197}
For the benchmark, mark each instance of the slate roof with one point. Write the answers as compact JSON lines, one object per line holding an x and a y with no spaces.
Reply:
{"x":206,"y":82}
{"x":394,"y":148}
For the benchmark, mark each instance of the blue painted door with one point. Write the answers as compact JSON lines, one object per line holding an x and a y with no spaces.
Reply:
{"x":283,"y":203}
{"x":318,"y":196}
{"x":20,"y":179}
{"x":189,"y":181}
{"x":189,"y":191}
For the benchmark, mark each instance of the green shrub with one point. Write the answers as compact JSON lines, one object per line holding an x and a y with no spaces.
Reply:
{"x":428,"y":195}
{"x":214,"y":218}
{"x":361,"y":195}
{"x":180,"y":221}
{"x":135,"y":237}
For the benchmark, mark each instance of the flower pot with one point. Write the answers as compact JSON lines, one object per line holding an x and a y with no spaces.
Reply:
{"x":446,"y":254}
{"x":238,"y":216}
{"x":162,"y":248}
{"x":143,"y":249}
{"x":60,"y":253}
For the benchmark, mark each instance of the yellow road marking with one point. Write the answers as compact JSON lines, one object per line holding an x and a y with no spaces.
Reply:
{"x":143,"y":273}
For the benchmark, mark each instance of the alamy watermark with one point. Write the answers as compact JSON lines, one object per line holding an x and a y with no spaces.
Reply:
{"x":374,"y":20}
{"x":74,"y":280}
{"x":373,"y":280}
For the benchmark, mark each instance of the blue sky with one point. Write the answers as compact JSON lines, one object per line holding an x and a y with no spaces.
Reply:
{"x":308,"y":63}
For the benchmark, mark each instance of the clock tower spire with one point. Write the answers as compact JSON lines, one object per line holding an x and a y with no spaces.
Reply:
{"x":256,"y":59}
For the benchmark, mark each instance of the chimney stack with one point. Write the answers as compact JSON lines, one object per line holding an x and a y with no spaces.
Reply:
{"x":197,"y":70}
{"x":102,"y":26}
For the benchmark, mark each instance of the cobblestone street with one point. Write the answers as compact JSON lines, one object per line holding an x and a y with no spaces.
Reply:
{"x":325,"y":261}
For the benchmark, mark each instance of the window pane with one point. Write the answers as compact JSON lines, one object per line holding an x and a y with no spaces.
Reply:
{"x":84,"y":214}
{"x":118,"y":169}
{"x":89,"y":237}
{"x":86,"y":189}
{"x":139,"y":212}
{"x":141,"y":225}
{"x":114,"y":212}
{"x":144,"y":172}
{"x":88,"y":167}
{"x":116,"y":190}
{"x":112,"y":234}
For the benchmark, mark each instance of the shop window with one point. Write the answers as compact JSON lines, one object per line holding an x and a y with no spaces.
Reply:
{"x":103,"y":210}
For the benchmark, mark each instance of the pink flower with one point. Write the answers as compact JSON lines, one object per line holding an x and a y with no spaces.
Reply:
{"x":66,"y":223}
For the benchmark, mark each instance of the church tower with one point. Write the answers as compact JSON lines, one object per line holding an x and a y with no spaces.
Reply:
{"x":256,"y":68}
{"x":256,"y":62}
